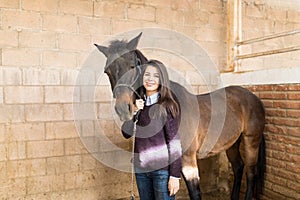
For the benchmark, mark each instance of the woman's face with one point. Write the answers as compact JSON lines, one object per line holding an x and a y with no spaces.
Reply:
{"x":151,"y":80}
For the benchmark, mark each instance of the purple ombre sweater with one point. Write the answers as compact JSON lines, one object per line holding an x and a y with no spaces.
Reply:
{"x":157,"y":143}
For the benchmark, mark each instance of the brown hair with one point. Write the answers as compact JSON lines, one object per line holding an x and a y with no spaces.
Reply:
{"x":166,"y":101}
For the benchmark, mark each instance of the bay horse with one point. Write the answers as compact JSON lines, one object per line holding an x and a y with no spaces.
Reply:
{"x":243,"y":113}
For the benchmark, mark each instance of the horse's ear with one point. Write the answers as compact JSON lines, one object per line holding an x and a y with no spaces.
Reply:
{"x":102,"y":49}
{"x":132,"y":44}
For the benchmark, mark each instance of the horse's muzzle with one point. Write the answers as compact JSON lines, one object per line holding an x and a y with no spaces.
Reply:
{"x":124,"y":111}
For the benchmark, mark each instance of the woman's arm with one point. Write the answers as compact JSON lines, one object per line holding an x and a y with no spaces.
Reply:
{"x":175,"y":152}
{"x":174,"y":145}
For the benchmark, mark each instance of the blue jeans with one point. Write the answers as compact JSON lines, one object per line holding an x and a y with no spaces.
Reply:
{"x":153,"y":185}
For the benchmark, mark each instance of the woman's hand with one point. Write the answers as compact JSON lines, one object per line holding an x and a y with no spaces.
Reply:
{"x":173,"y":185}
{"x":139,"y":103}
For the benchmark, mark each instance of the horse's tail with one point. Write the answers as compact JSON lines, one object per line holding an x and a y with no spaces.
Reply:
{"x":261,"y":169}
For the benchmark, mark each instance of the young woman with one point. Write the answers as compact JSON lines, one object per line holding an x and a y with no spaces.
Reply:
{"x":158,"y":153}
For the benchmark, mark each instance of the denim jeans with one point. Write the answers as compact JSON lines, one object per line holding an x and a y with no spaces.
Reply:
{"x":154,"y":185}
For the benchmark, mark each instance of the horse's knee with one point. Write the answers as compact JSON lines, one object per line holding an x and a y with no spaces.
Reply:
{"x":190,"y":173}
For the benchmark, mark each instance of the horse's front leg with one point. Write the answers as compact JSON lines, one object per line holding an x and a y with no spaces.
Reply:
{"x":191,"y":177}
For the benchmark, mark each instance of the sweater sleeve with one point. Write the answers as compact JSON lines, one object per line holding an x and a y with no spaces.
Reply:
{"x":174,"y":145}
{"x":127,"y":129}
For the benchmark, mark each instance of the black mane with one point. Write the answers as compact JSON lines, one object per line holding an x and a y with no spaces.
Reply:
{"x":117,"y":47}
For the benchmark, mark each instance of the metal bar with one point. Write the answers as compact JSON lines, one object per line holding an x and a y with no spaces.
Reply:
{"x":265,"y":53}
{"x":269,"y":37}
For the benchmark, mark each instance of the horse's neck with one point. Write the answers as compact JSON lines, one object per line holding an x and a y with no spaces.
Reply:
{"x":179,"y":89}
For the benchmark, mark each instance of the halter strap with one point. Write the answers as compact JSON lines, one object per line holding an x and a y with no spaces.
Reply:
{"x":131,"y":85}
{"x":132,"y":159}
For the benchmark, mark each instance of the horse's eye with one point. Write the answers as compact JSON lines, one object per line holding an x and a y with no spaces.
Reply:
{"x":132,"y":66}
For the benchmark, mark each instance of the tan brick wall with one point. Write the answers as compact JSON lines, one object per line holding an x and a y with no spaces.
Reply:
{"x":43,"y":45}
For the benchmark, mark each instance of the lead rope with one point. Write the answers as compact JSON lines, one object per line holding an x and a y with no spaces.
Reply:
{"x":132,"y":159}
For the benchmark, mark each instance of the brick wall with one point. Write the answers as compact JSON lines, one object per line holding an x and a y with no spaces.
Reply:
{"x":282,"y":133}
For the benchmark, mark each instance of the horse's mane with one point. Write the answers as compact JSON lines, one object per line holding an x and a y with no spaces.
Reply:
{"x":117,"y":46}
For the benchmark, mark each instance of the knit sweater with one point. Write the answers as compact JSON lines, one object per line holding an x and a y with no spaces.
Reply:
{"x":157,"y":143}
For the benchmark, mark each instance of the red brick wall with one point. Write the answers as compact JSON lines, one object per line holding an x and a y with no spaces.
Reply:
{"x":282,"y":133}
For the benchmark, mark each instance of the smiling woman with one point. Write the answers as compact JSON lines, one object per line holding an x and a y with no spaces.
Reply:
{"x":157,"y":145}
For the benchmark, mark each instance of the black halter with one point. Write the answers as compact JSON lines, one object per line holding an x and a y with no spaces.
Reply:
{"x":138,"y":67}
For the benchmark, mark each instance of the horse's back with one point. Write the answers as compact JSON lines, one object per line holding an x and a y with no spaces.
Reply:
{"x":213,"y":122}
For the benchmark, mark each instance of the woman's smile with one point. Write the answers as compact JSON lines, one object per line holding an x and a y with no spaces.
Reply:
{"x":150,"y":83}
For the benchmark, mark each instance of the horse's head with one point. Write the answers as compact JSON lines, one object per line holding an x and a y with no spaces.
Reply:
{"x":123,"y":69}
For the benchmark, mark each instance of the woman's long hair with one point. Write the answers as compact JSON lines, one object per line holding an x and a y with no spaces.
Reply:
{"x":166,"y":102}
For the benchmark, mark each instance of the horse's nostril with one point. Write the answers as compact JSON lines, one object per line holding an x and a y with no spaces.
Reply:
{"x":117,"y":111}
{"x":123,"y":109}
{"x":129,"y":108}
